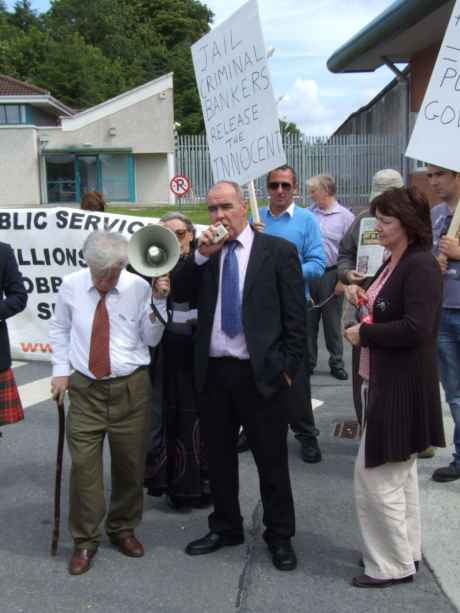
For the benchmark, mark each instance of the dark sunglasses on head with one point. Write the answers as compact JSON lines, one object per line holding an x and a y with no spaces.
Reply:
{"x":283,"y":184}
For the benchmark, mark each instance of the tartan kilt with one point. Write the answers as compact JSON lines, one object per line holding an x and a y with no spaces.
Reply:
{"x":10,"y":403}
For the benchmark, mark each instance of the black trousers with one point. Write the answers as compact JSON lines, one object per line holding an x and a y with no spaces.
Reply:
{"x":231,"y":399}
{"x":301,"y":418}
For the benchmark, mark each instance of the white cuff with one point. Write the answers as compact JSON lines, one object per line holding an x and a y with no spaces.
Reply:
{"x":200,"y":259}
{"x":61,"y":370}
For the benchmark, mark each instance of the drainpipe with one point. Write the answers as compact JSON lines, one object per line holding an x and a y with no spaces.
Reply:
{"x":402,"y":77}
{"x":42,"y":141}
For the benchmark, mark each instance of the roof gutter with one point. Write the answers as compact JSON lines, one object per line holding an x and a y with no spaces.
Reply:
{"x":398,"y":17}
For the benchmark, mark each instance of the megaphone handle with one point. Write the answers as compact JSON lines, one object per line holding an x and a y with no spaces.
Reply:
{"x":161,"y":292}
{"x":159,"y":315}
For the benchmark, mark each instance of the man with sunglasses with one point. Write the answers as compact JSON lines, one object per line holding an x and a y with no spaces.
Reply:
{"x":284,"y":219}
{"x":446,"y":185}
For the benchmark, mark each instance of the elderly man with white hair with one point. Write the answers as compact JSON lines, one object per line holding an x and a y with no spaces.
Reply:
{"x":333,"y":221}
{"x":100,"y":333}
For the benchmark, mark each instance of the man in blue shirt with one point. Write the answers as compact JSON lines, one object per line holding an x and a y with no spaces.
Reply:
{"x":446,"y":184}
{"x":286,"y":220}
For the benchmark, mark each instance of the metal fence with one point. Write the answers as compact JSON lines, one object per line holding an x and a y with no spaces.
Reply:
{"x":351,"y":159}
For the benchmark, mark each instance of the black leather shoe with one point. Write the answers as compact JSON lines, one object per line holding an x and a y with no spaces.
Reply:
{"x":212,"y":542}
{"x":283,"y":555}
{"x":310,"y":452}
{"x":177,"y":503}
{"x":242,"y":444}
{"x":365,"y":581}
{"x":447,"y":473}
{"x":339,"y":373}
{"x":416,"y":564}
{"x":204,"y":501}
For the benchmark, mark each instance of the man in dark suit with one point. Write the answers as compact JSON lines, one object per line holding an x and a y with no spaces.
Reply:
{"x":249,"y":347}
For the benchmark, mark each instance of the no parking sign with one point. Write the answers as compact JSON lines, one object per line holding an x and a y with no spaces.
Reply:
{"x":180,"y":185}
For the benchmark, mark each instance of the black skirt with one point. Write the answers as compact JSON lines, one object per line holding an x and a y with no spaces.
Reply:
{"x":178,"y":466}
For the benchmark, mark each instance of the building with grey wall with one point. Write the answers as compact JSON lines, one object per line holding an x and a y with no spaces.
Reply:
{"x":385,"y":114}
{"x":51,"y":154}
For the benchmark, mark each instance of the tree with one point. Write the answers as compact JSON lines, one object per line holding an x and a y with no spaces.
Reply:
{"x":289,"y":128}
{"x":147,"y":38}
{"x":24,"y":17}
{"x":85,"y":51}
{"x":8,"y":34}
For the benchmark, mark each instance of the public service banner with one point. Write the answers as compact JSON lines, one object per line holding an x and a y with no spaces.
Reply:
{"x":47,"y":244}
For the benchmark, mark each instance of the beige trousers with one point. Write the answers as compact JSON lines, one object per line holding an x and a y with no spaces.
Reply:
{"x":117,"y":409}
{"x":387,"y":505}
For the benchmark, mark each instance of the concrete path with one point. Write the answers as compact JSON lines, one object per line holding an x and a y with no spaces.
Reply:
{"x":238,"y":579}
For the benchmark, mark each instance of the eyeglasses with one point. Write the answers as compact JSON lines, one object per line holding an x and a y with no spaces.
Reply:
{"x":283,"y":184}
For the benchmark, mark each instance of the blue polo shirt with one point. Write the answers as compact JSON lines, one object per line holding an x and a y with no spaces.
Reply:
{"x":299,"y":226}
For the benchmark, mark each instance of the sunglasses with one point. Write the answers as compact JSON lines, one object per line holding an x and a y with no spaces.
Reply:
{"x":283,"y":184}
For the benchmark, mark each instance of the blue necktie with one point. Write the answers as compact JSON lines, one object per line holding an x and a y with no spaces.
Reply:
{"x":230,"y":295}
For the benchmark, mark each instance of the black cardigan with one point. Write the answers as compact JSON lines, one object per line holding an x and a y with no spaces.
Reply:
{"x":404,"y":408}
{"x":13,"y":299}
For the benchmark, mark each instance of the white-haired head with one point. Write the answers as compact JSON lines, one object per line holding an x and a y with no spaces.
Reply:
{"x":105,"y":252}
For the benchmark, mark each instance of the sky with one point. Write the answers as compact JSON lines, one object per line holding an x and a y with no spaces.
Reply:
{"x":304,"y":34}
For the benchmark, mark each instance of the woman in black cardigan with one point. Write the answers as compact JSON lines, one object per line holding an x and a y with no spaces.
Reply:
{"x":403,"y":408}
{"x":13,"y":299}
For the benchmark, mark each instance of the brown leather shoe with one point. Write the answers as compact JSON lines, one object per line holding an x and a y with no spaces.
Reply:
{"x":128,"y":544}
{"x":80,"y":562}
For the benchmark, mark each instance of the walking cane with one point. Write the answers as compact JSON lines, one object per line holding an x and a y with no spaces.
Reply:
{"x":57,"y":482}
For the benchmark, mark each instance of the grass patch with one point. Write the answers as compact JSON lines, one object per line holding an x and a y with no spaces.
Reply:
{"x":197,"y":213}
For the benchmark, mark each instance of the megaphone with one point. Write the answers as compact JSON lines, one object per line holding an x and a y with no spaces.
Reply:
{"x":153,"y":251}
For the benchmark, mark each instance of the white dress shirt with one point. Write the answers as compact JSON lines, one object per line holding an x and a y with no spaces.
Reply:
{"x":131,"y":328}
{"x":289,"y":211}
{"x":222,"y":345}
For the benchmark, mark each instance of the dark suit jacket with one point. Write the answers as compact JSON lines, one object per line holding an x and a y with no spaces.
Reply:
{"x":404,"y":409}
{"x":273,"y":310}
{"x":13,"y":299}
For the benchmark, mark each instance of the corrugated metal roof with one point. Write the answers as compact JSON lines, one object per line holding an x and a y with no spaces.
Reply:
{"x":407,"y":26}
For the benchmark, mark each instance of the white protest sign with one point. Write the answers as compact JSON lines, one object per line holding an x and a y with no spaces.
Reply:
{"x":47,"y":244}
{"x":239,"y":107}
{"x":370,"y":253}
{"x":436,"y":135}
